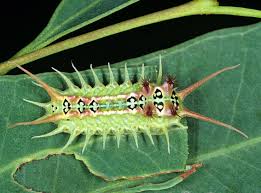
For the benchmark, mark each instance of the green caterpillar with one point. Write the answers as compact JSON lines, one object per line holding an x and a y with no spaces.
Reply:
{"x":125,"y":109}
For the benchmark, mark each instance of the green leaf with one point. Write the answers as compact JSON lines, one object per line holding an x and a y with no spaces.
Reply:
{"x":230,"y":162}
{"x":72,"y":15}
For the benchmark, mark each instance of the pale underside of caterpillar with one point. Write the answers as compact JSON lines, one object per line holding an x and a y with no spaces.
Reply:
{"x":125,"y":109}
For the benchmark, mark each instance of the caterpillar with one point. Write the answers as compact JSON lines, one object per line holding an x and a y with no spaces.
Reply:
{"x":113,"y":109}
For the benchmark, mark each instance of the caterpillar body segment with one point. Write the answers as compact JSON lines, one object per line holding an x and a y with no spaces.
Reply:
{"x":113,"y":109}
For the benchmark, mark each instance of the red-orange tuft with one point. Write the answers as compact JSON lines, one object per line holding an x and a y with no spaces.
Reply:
{"x":146,"y":86}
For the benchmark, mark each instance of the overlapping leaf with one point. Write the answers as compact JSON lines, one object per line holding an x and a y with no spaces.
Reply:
{"x":72,"y":15}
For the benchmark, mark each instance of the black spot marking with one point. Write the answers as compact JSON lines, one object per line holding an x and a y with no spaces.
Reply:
{"x":160,"y":106}
{"x":66,"y":106}
{"x":173,"y":95}
{"x":81,"y":106}
{"x":142,"y":100}
{"x":54,"y":108}
{"x":158,"y":94}
{"x":158,"y":103}
{"x":132,"y":102}
{"x":175,"y":100}
{"x":94,"y":106}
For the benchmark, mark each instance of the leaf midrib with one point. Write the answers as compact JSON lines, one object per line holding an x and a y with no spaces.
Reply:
{"x":226,"y":150}
{"x":71,"y":18}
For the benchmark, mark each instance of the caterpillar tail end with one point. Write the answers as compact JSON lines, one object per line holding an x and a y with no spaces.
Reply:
{"x":187,"y":113}
{"x":185,"y":92}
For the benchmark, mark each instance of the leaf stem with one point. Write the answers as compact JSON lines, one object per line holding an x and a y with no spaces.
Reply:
{"x":191,"y":8}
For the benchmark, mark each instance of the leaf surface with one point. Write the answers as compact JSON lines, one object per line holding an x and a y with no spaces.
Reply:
{"x":230,"y":162}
